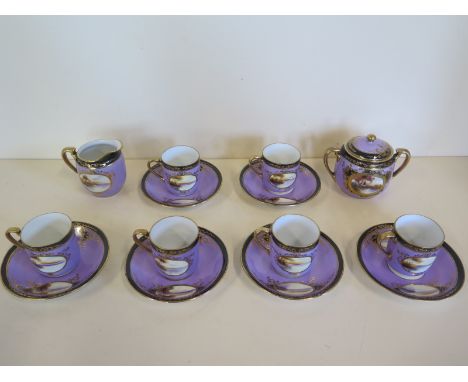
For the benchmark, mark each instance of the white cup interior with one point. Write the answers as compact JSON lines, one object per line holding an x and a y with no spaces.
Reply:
{"x":173,"y":232}
{"x":281,"y":153}
{"x":296,"y":230}
{"x":46,"y":229}
{"x":419,"y":231}
{"x":180,"y":156}
{"x":94,"y":150}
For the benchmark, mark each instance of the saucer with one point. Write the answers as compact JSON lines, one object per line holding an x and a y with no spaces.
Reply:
{"x":209,"y":182}
{"x":142,"y":272}
{"x":324,"y":274}
{"x":22,"y":278}
{"x":307,"y":186}
{"x":442,"y":280}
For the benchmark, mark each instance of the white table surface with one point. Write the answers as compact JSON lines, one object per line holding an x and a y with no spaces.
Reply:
{"x":358,"y":322}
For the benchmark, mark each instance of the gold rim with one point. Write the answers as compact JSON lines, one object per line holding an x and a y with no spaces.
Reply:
{"x":277,"y":165}
{"x":181,"y":168}
{"x":173,"y":252}
{"x":87,"y":162}
{"x":49,"y":246}
{"x":99,"y":164}
{"x":288,"y":247}
{"x":367,"y":165}
{"x":415,"y":247}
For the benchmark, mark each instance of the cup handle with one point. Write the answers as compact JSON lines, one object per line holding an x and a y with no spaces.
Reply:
{"x":151,"y":166}
{"x":252,"y":162}
{"x":9,"y":236}
{"x":65,"y":158}
{"x":399,"y":153}
{"x":138,"y":239}
{"x":336,"y":152}
{"x":266,"y":239}
{"x":385,"y":236}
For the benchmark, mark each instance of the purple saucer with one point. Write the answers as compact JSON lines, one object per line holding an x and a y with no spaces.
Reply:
{"x":307,"y":186}
{"x":209,"y":182}
{"x":324,"y":274}
{"x":145,"y":278}
{"x":23,"y":279}
{"x":442,"y":280}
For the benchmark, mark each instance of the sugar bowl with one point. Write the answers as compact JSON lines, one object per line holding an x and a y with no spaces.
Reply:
{"x":364,"y":165}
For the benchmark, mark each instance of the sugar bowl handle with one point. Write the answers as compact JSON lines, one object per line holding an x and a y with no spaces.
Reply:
{"x":399,"y":153}
{"x":66,"y":159}
{"x":331,"y":150}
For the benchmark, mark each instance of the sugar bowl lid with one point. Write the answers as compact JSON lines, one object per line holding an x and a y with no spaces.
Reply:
{"x":369,"y":149}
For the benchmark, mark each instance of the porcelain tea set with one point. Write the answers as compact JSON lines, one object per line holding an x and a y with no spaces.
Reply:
{"x":176,"y":260}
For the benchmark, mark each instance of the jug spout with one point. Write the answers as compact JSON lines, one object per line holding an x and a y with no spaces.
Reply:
{"x":99,"y":150}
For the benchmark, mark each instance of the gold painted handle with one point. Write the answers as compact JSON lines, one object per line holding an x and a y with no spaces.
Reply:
{"x":144,"y":234}
{"x":9,"y":236}
{"x":399,"y":153}
{"x":65,"y":158}
{"x":252,"y":162}
{"x":336,"y":152}
{"x":385,"y":236}
{"x":152,"y":167}
{"x":266,"y":232}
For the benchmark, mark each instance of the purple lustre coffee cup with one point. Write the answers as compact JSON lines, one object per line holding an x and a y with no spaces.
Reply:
{"x":279,"y":165}
{"x":173,"y":241}
{"x":50,"y":242}
{"x":291,"y":242}
{"x":178,"y":168}
{"x":100,"y":165}
{"x":411,"y":245}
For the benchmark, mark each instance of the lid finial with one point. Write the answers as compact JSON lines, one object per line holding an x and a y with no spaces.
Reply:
{"x":371,"y":137}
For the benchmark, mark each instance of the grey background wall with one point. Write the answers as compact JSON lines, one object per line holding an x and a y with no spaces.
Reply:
{"x":230,"y":85}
